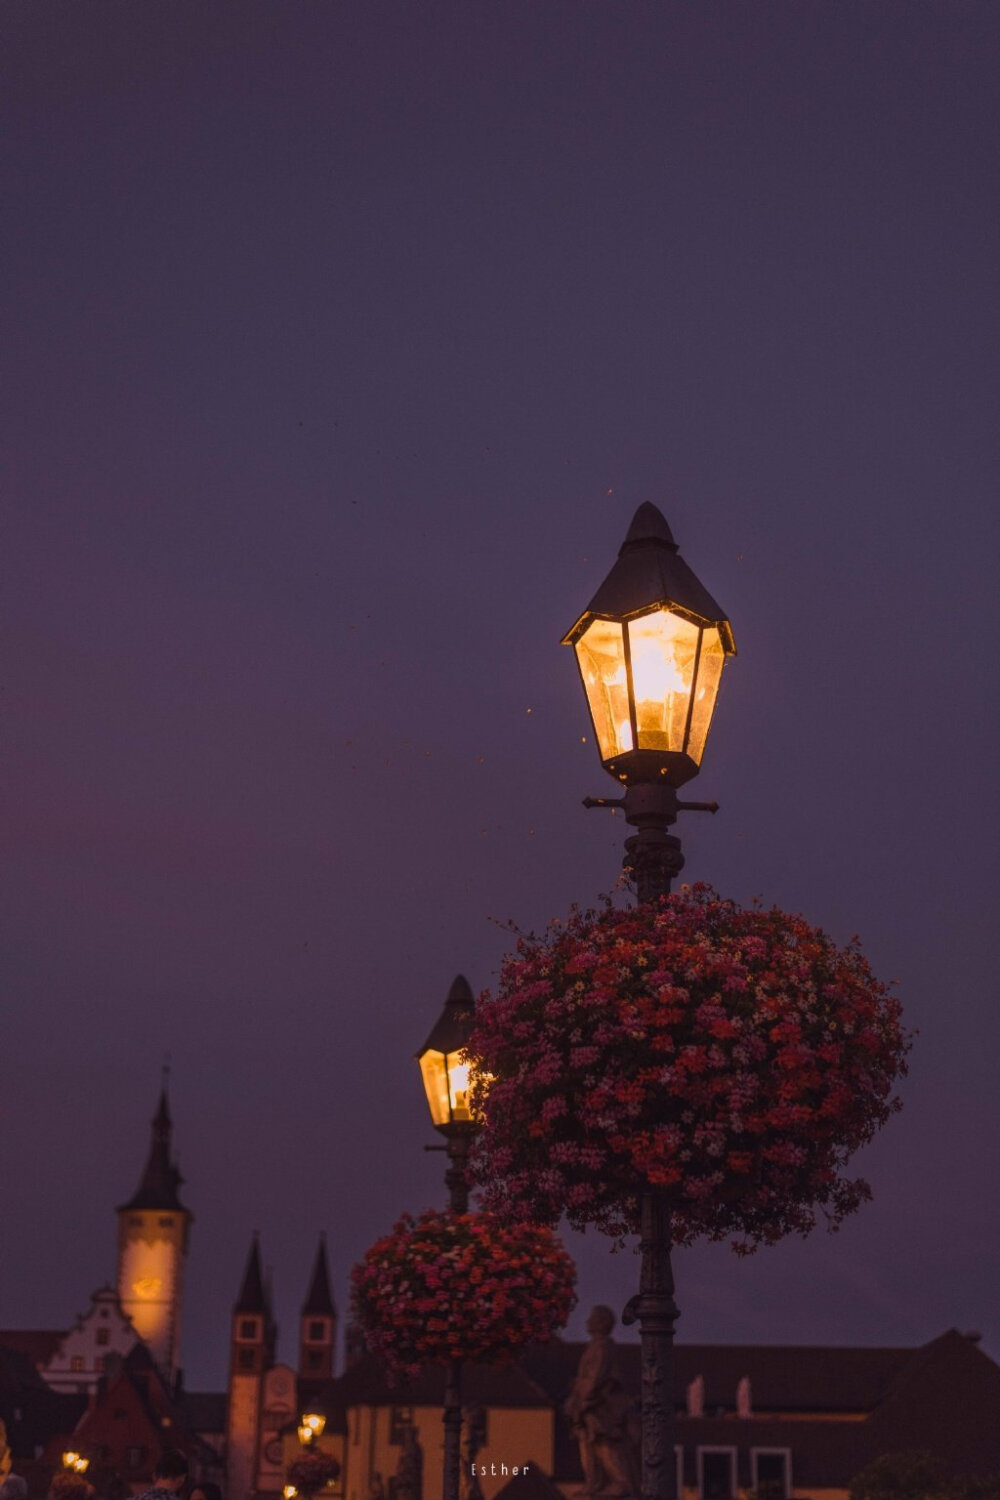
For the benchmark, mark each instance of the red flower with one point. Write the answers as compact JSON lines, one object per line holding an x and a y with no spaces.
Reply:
{"x":736,"y":1057}
{"x":497,"y":1286}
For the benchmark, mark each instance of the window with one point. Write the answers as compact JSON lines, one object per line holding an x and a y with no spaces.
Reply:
{"x":134,"y":1457}
{"x":314,"y":1359}
{"x":104,"y":1336}
{"x":248,"y":1329}
{"x":771,"y":1472}
{"x":716,"y":1473}
{"x":245,"y":1359}
{"x":76,"y":1362}
{"x":99,"y":1364}
{"x":317,"y":1333}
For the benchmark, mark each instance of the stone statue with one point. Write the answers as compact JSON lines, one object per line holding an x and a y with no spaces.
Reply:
{"x":408,"y":1481}
{"x":602,"y":1415}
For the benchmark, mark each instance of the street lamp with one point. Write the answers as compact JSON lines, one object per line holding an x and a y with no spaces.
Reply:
{"x":445,"y":1073}
{"x":75,"y":1462}
{"x":651,"y":646}
{"x":311,"y":1427}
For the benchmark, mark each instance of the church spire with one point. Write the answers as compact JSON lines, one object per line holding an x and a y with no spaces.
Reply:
{"x":158,"y":1187}
{"x":319,"y":1300}
{"x":252,"y":1297}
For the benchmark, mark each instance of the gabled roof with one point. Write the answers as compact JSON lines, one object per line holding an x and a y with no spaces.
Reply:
{"x":319,"y":1300}
{"x":158,"y":1187}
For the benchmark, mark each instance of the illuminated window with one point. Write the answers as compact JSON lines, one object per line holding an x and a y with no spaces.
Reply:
{"x":76,"y":1362}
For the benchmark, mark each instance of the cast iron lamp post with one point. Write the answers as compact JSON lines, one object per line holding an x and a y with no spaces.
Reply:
{"x":651,"y":646}
{"x":445,"y":1074}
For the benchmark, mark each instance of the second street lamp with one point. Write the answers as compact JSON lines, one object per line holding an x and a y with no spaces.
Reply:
{"x":445,"y":1073}
{"x":651,"y":646}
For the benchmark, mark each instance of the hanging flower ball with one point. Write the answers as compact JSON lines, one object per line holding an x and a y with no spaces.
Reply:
{"x":731,"y":1058}
{"x":312,"y":1472}
{"x":461,"y":1286}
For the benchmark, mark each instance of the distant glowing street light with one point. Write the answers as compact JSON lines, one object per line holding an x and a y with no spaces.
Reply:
{"x":651,"y":646}
{"x":445,"y":1073}
{"x":75,"y":1461}
{"x":311,"y":1427}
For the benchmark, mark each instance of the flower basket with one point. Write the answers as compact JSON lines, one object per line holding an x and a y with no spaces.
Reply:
{"x":312,"y":1472}
{"x":730,"y":1058}
{"x":451,"y":1286}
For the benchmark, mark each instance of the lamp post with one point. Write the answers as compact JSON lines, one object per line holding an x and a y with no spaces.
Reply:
{"x":651,"y":646}
{"x":445,"y":1074}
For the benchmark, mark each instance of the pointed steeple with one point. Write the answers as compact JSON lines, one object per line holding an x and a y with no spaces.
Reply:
{"x":319,"y":1300}
{"x":158,"y":1187}
{"x":252,"y":1297}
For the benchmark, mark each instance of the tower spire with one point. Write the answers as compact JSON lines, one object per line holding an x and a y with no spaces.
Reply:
{"x":252,"y":1297}
{"x":159,"y":1184}
{"x":319,"y":1299}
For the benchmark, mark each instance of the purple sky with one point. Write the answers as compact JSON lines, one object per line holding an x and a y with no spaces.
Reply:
{"x":341,"y":340}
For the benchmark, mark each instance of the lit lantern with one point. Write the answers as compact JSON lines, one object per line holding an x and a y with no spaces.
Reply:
{"x":75,"y":1462}
{"x":650,"y":647}
{"x":443,"y":1066}
{"x":311,"y":1426}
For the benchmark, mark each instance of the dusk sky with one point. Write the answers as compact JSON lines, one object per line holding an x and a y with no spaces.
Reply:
{"x":340,"y":343}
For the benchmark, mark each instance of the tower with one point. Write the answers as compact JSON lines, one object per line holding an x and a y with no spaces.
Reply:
{"x":318,"y":1324}
{"x":152,"y":1245}
{"x":252,"y":1355}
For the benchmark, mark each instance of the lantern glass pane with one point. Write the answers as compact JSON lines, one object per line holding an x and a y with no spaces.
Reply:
{"x":435,"y":1076}
{"x":663,"y":647}
{"x":706,"y":691}
{"x":600,"y":652}
{"x":458,"y":1087}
